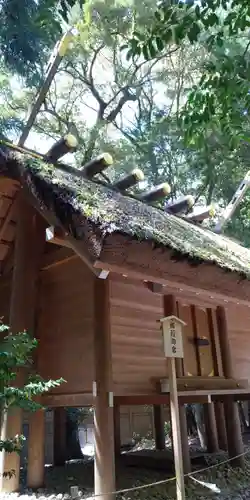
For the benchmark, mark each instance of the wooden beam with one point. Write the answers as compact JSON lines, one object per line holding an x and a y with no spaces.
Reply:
{"x":208,"y":383}
{"x":73,"y":400}
{"x":28,"y":250}
{"x":57,"y":257}
{"x":104,"y":476}
{"x":233,"y":427}
{"x":56,"y":236}
{"x":8,"y":264}
{"x":117,"y":431}
{"x":56,"y":58}
{"x":211,"y":429}
{"x":36,"y":452}
{"x":186,"y":397}
{"x":10,"y":214}
{"x":156,"y":399}
{"x":77,"y":245}
{"x":226,"y":356}
{"x":216,"y":393}
{"x":221,"y":425}
{"x":159,"y":427}
{"x":154,"y":287}
{"x":176,"y":423}
{"x":123,"y":256}
{"x":216,"y":350}
{"x":170,"y":308}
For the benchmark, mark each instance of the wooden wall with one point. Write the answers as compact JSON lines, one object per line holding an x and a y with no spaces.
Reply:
{"x":65,"y":326}
{"x":136,"y":337}
{"x":5,"y":291}
{"x":65,"y":332}
{"x":137,"y":349}
{"x":239,"y":336}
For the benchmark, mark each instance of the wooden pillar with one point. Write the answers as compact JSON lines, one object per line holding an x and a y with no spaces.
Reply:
{"x":35,"y":472}
{"x":233,"y":428}
{"x":211,"y":431}
{"x":104,"y":475}
{"x":59,"y":442}
{"x":170,"y":308}
{"x":117,"y":431}
{"x":22,"y":314}
{"x":221,"y":425}
{"x":159,"y":427}
{"x":218,"y":371}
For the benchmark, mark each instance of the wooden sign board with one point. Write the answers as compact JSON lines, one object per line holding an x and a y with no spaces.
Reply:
{"x":173,"y":348}
{"x":172,"y":336}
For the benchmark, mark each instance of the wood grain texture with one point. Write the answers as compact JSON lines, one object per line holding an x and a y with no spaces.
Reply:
{"x":238,"y":319}
{"x":65,"y":326}
{"x":137,"y":348}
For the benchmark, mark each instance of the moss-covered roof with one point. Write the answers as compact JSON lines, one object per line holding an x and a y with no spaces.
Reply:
{"x":86,"y":209}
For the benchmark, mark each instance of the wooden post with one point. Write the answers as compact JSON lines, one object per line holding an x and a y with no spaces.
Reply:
{"x":59,"y":445}
{"x":170,"y":308}
{"x":211,"y":431}
{"x":233,"y":428}
{"x":117,"y":431}
{"x":35,"y":472}
{"x":22,"y":314}
{"x":173,"y":349}
{"x":103,"y":396}
{"x":176,"y":432}
{"x":159,"y":424}
{"x":221,"y":425}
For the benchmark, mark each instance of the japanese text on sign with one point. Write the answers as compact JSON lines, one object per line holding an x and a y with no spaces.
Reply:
{"x":172,"y":336}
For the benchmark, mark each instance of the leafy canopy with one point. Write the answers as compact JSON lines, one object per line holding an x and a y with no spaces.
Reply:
{"x":220,"y":99}
{"x":15,"y":356}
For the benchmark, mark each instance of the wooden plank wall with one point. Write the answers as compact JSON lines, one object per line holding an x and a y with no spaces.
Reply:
{"x":137,"y":354}
{"x":239,"y":337}
{"x":190,"y":356}
{"x":137,"y":349}
{"x":65,"y":326}
{"x":198,"y":360}
{"x":5,"y":291}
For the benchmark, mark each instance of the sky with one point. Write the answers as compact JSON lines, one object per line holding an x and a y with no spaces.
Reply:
{"x":103,"y":74}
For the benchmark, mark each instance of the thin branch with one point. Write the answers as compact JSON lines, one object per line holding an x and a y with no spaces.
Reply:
{"x":91,"y":84}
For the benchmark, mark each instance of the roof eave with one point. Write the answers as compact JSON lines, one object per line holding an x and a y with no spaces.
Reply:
{"x":140,"y":260}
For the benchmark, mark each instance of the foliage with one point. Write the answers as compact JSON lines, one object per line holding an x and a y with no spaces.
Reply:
{"x":141,"y":110}
{"x":28,"y":30}
{"x":220,"y":98}
{"x":18,"y":389}
{"x":178,"y":20}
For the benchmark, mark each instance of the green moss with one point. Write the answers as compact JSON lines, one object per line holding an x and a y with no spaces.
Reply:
{"x":76,"y":200}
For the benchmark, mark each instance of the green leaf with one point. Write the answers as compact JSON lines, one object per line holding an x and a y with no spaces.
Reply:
{"x":197,"y":11}
{"x":213,"y":19}
{"x":159,"y":43}
{"x":145,"y":52}
{"x":168,"y":35}
{"x":151,"y":48}
{"x":139,"y":35}
{"x":158,"y":15}
{"x":193,"y":33}
{"x":219,"y":40}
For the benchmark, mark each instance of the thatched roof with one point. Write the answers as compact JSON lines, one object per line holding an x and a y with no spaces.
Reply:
{"x":90,"y":212}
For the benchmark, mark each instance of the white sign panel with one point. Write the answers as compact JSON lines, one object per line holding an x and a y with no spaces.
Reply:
{"x":172,"y":336}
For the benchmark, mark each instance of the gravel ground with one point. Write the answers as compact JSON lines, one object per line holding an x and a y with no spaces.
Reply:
{"x":233,"y":484}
